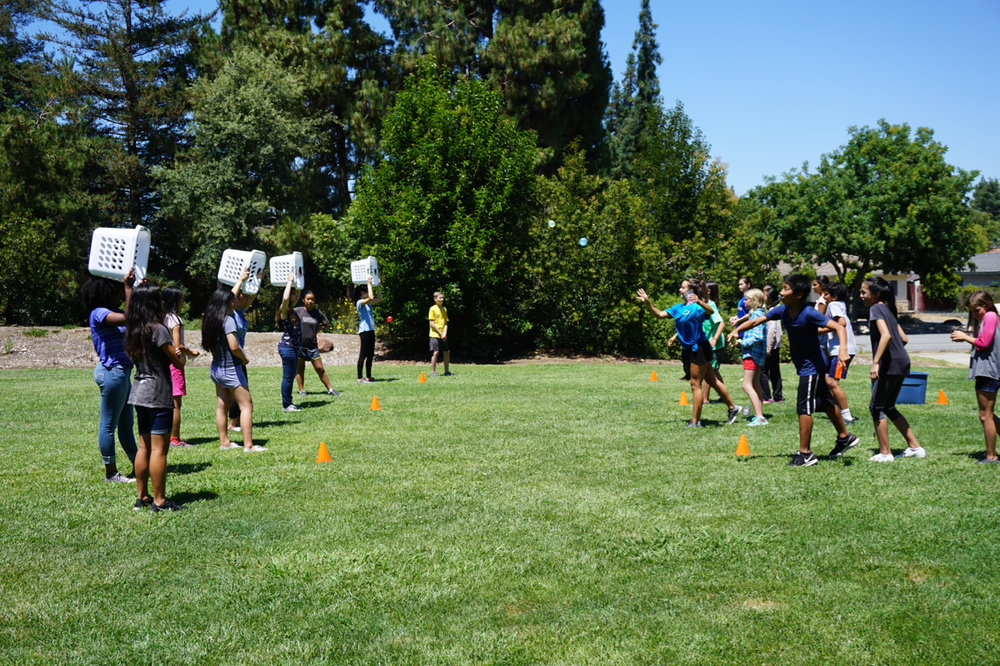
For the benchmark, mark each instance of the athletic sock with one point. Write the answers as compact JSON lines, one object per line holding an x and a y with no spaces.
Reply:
{"x":846,"y":414}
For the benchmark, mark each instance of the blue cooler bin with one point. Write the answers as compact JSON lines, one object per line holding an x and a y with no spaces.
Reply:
{"x":914,"y":389}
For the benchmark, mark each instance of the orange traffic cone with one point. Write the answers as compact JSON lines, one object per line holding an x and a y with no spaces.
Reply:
{"x":323,"y":455}
{"x":743,"y":449}
{"x":652,"y":376}
{"x":684,"y":399}
{"x":942,"y":399}
{"x":375,"y":405}
{"x":422,"y":379}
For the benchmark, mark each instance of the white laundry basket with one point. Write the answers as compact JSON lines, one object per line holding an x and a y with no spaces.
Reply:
{"x":113,"y":252}
{"x":232,"y":265}
{"x":362,"y":269}
{"x":280,"y":267}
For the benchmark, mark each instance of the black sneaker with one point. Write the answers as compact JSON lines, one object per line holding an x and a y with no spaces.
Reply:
{"x":166,"y":506}
{"x":734,"y":414}
{"x":803,"y":459}
{"x":141,"y":504}
{"x":843,"y":444}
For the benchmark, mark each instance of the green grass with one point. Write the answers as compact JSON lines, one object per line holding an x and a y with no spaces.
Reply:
{"x":511,"y":514}
{"x":35,"y":332}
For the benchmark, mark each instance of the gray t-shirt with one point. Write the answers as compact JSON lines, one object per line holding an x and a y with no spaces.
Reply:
{"x":311,"y":321}
{"x":895,"y":360}
{"x":151,"y":386}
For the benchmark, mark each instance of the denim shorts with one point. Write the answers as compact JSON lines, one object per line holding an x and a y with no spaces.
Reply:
{"x":987,"y":385}
{"x":309,"y":354}
{"x":154,"y":420}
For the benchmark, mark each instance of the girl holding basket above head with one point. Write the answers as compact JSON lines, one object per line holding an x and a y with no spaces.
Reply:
{"x":228,"y":370}
{"x":113,"y":372}
{"x":366,"y":296}
{"x":984,"y":364}
{"x":290,"y":345}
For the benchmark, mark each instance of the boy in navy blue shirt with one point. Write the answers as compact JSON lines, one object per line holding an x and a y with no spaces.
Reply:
{"x":802,"y":322}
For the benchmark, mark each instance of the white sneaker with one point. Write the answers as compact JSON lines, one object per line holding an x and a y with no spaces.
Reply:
{"x":118,"y":477}
{"x":302,"y":393}
{"x":913,"y":453}
{"x":881,"y":457}
{"x":255,"y":449}
{"x":291,"y":408}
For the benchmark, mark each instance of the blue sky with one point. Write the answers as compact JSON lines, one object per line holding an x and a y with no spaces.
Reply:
{"x":776,"y":83}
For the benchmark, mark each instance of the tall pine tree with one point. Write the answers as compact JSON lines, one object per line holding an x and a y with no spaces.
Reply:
{"x":128,"y":66}
{"x":544,"y":56}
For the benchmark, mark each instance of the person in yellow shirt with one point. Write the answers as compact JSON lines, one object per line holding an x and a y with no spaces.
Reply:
{"x":437,"y":317}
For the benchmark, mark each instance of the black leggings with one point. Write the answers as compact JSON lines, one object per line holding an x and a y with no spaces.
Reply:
{"x":885,"y":390}
{"x":367,"y":354}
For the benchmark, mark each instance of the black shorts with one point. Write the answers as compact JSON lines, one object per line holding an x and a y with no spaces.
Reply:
{"x":700,"y":355}
{"x":813,"y":395}
{"x":439,"y":344}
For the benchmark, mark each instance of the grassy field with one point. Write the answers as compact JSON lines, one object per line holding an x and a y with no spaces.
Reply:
{"x":510,"y":514}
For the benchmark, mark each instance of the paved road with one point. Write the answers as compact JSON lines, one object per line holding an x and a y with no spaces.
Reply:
{"x":937,"y":346}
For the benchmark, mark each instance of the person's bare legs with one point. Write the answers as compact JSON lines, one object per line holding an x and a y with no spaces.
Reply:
{"x":242,"y":396}
{"x":434,"y":361}
{"x":696,"y":394}
{"x":750,"y":384}
{"x":224,"y":399}
{"x":805,"y":432}
{"x":160,"y":444}
{"x":141,"y":464}
{"x":300,"y":375}
{"x":447,"y":360}
{"x":175,"y":429}
{"x":317,"y":364}
{"x":987,"y":401}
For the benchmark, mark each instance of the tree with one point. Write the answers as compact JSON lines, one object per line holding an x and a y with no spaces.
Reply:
{"x":986,"y":197}
{"x":887,"y":200}
{"x":344,"y":65}
{"x":243,"y":172}
{"x":636,"y":102}
{"x":127,"y":64}
{"x":544,"y":56}
{"x":448,"y":209}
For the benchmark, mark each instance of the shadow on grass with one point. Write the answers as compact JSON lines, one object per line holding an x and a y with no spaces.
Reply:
{"x":188,"y":468}
{"x":201,"y":495}
{"x":974,"y":455}
{"x":264,"y":424}
{"x":195,"y":441}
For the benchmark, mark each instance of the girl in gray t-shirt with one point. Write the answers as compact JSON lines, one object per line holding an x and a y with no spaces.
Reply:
{"x":151,"y":347}
{"x":890,"y":365}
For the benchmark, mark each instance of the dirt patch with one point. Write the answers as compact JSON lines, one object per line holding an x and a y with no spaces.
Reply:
{"x":72,"y":348}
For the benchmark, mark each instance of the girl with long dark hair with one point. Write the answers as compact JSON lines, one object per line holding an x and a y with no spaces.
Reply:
{"x":173,"y":299}
{"x":150,"y":345}
{"x":228,"y":370}
{"x":113,"y":373}
{"x":984,"y":364}
{"x":890,"y":365}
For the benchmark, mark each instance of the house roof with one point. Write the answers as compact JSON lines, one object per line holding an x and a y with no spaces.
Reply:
{"x":985,"y":262}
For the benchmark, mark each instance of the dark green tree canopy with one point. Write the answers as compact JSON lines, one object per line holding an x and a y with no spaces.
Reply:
{"x":887,"y":200}
{"x":449,"y":208}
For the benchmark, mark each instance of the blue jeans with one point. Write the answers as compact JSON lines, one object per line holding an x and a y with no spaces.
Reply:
{"x":289,"y":364}
{"x":116,"y":413}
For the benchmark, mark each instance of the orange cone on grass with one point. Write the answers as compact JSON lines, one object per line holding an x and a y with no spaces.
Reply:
{"x":323,"y":455}
{"x":652,"y":376}
{"x":942,"y":398}
{"x":375,"y":405}
{"x":422,"y":379}
{"x":742,"y":448}
{"x":684,"y":399}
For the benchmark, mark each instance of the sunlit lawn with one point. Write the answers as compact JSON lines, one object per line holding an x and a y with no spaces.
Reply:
{"x":513,"y":514}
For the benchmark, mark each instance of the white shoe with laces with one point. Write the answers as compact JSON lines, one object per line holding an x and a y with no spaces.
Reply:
{"x":913,"y":453}
{"x":881,"y":457}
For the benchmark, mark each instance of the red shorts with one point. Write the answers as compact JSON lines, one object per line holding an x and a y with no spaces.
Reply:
{"x":750,"y":364}
{"x":177,"y":380}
